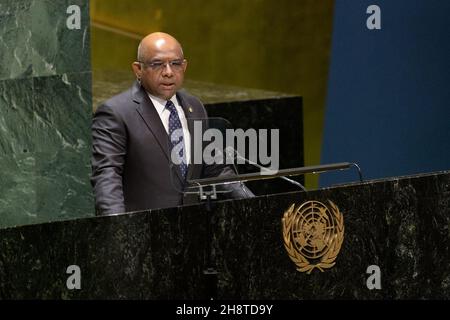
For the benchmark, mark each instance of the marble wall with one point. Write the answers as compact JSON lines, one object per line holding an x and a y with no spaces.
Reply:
{"x":45,"y":111}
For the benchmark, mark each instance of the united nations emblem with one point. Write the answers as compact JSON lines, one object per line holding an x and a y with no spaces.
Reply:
{"x":313,"y":235}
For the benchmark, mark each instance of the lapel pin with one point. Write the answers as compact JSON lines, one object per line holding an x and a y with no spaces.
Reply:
{"x":190,"y":109}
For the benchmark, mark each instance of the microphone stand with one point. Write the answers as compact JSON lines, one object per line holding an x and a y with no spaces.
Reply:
{"x":238,"y":156}
{"x":210,"y":272}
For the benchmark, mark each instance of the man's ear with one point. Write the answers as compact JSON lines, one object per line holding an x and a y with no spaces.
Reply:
{"x":137,"y":69}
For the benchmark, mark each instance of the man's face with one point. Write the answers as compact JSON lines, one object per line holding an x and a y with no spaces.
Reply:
{"x":162,"y":72}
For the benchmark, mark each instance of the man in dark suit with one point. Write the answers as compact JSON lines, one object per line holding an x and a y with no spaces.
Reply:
{"x":138,"y":134}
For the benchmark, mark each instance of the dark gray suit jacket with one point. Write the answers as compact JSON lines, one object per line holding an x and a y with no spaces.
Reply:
{"x":131,"y":170}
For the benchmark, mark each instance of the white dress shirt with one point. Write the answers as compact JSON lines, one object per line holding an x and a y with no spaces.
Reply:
{"x":164,"y":114}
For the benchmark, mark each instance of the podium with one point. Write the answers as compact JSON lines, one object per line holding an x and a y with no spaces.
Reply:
{"x":398,"y":225}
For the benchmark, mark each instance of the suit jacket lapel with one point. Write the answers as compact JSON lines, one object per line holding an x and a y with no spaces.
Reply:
{"x":151,"y":118}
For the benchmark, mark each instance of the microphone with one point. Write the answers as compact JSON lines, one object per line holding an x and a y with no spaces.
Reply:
{"x":233,"y":153}
{"x":243,"y":187}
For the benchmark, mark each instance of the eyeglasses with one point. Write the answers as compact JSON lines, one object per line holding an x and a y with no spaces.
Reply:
{"x":175,"y":65}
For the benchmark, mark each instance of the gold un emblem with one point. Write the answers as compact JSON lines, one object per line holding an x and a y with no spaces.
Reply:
{"x":313,"y":235}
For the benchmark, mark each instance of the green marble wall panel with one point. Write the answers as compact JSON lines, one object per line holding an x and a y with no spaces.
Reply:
{"x":64,"y":159}
{"x":16,"y":125}
{"x":45,"y":148}
{"x":45,"y":112}
{"x":35,"y":39}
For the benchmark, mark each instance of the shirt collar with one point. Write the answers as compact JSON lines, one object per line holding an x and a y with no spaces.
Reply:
{"x":160,"y":104}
